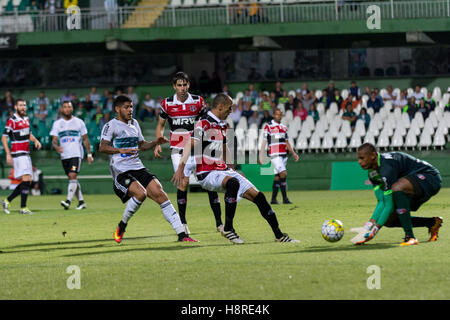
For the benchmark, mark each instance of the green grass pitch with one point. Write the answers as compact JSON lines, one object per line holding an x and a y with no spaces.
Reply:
{"x":35,"y":252}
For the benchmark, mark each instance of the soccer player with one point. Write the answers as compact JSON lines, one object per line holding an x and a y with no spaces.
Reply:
{"x":18,"y":130}
{"x":181,"y":111}
{"x":402,"y":184}
{"x":69,"y":131}
{"x":275,"y":136}
{"x":209,"y":142}
{"x":122,"y":139}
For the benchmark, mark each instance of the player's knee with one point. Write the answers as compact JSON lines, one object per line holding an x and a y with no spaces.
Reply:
{"x":232,"y":185}
{"x":396,"y":187}
{"x":283,"y":174}
{"x":141,"y":195}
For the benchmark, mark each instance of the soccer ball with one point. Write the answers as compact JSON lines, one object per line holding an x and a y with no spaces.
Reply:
{"x":332,"y":230}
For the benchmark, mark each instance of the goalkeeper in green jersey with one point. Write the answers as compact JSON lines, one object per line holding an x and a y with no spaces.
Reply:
{"x":402,"y":184}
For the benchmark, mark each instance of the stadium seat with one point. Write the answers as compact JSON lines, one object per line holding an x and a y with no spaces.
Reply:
{"x":240,"y":136}
{"x":370,"y":112}
{"x":383,"y":140}
{"x":447,"y":119}
{"x":424,"y":91}
{"x":201,"y":3}
{"x":405,"y":120}
{"x":309,"y":122}
{"x":319,"y":129}
{"x":428,"y":127}
{"x":230,"y":122}
{"x":175,"y":3}
{"x":369,"y":138}
{"x":419,"y":119}
{"x":364,"y":99}
{"x":281,"y":107}
{"x":378,"y":121}
{"x":188,"y":3}
{"x":389,"y":125}
{"x":396,"y":92}
{"x":16,"y":3}
{"x":425,"y":139}
{"x":397,"y":113}
{"x":436,"y":94}
{"x":318,"y":94}
{"x":302,"y":143}
{"x":415,"y":127}
{"x":252,"y":140}
{"x":242,"y":123}
{"x":397,"y":139}
{"x":226,"y":2}
{"x":355,"y":140}
{"x":398,"y":125}
{"x":442,"y":127}
{"x":314,"y":143}
{"x":214,"y":2}
{"x":346,"y":129}
{"x":439,"y":140}
{"x":388,"y":106}
{"x":292,"y":93}
{"x":289,"y":115}
{"x":327,"y":142}
{"x":360,"y":128}
{"x":240,"y":94}
{"x":411,"y":139}
{"x":344,"y":94}
{"x":341,"y":142}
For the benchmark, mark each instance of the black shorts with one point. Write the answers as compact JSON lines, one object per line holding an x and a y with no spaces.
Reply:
{"x":71,"y":165}
{"x":123,"y":181}
{"x":425,"y":186}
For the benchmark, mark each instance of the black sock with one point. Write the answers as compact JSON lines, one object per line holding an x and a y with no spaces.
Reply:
{"x":422,"y":222}
{"x":232,"y":188}
{"x":15,"y":192}
{"x":181,"y":236}
{"x":275,"y":187}
{"x":268,"y":214}
{"x":283,"y":188}
{"x":122,"y":226}
{"x":182,"y":200}
{"x":80,"y":202}
{"x":214,"y":202}
{"x":25,"y":190}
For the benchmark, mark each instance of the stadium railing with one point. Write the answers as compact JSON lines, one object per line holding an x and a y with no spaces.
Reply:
{"x":223,"y":13}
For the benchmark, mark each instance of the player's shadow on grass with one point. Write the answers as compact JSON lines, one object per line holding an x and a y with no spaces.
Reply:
{"x":377,"y":246}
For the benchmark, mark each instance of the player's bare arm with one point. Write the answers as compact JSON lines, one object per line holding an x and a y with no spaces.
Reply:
{"x":227,"y":156}
{"x":178,"y":176}
{"x":87,"y":146}
{"x":106,"y":147}
{"x":159,"y":133}
{"x":55,"y":144}
{"x":262,"y":151}
{"x":294,"y":154}
{"x":35,"y":141}
{"x":7,"y":151}
{"x":148,"y":145}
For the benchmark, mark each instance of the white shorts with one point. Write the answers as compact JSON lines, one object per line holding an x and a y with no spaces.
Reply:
{"x":279,"y":164}
{"x":22,"y":166}
{"x":189,"y":168}
{"x":213,"y":182}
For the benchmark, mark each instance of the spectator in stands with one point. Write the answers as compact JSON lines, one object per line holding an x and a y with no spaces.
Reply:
{"x":411,"y":107}
{"x":300,"y":111}
{"x":337,"y":98}
{"x":104,"y":119}
{"x":111,"y":11}
{"x":304,"y":90}
{"x":266,"y":103}
{"x":226,"y":90}
{"x":418,"y":93}
{"x":313,"y":112}
{"x":283,"y":99}
{"x":447,"y":106}
{"x":42,"y":99}
{"x":247,"y":97}
{"x":75,"y":100}
{"x":98,"y":115}
{"x":255,"y":119}
{"x":240,"y":11}
{"x":266,"y":118}
{"x":94,"y":96}
{"x":216,"y":83}
{"x":42,"y":113}
{"x":236,"y":114}
{"x":309,"y":100}
{"x":350,"y":99}
{"x":67,"y":96}
{"x":134,"y":98}
{"x":367,"y":91}
{"x":374,"y":103}
{"x":389,"y":95}
{"x":259,"y":99}
{"x":401,"y":101}
{"x":278,"y":90}
{"x":350,"y":116}
{"x":364,"y":116}
{"x":7,"y":103}
{"x":330,"y":89}
{"x":355,"y":90}
{"x":247,"y":112}
{"x":51,"y":6}
{"x":109,"y":104}
{"x":378,"y":96}
{"x":423,"y":108}
{"x":88,"y":104}
{"x":68,"y":3}
{"x":253,"y":92}
{"x":273,"y":97}
{"x":431,"y":104}
{"x":325,"y":99}
{"x":104,"y":97}
{"x":80,"y":112}
{"x":255,"y":11}
{"x":148,"y":108}
{"x":290,"y":104}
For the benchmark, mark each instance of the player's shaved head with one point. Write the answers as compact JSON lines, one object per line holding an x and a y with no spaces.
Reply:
{"x":222,"y":99}
{"x":367,"y":147}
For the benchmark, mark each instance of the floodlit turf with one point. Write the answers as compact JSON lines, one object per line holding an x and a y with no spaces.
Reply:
{"x":37,"y":250}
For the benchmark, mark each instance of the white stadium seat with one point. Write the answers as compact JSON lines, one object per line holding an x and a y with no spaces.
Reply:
{"x":360,"y":127}
{"x":396,"y":92}
{"x":411,"y":139}
{"x":314,"y":143}
{"x":369,"y":138}
{"x":327,"y":142}
{"x":188,"y":3}
{"x":406,"y":121}
{"x":320,"y":130}
{"x":175,"y":3}
{"x":344,"y":94}
{"x":318,"y":94}
{"x":302,"y":143}
{"x":439,"y":139}
{"x":397,"y":139}
{"x":213,"y":2}
{"x":289,"y":115}
{"x":436,"y":95}
{"x":242,"y":123}
{"x":383,"y":139}
{"x":355,"y":140}
{"x":341,"y":141}
{"x":425,"y":139}
{"x":201,"y":3}
{"x":346,"y":129}
{"x":419,"y":120}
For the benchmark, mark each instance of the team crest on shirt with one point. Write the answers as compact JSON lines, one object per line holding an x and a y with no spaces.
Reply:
{"x":421,"y":176}
{"x":193,"y":108}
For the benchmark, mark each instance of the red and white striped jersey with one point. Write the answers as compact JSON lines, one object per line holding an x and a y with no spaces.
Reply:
{"x":276,"y":136}
{"x":211,"y":132}
{"x":18,"y":131}
{"x":181,"y":117}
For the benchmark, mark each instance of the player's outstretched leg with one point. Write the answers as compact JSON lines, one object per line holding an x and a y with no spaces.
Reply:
{"x":79,"y":195}
{"x":156,"y":193}
{"x":14,"y":194}
{"x":232,"y":189}
{"x":266,"y":211}
{"x":71,"y":189}
{"x":182,"y":204}
{"x":214,"y":202}
{"x":25,"y":190}
{"x":283,"y":188}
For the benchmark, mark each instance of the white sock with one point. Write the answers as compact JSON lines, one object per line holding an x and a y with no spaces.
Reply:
{"x":132,"y":206}
{"x":71,"y":189}
{"x":172,"y":216}
{"x":79,"y":195}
